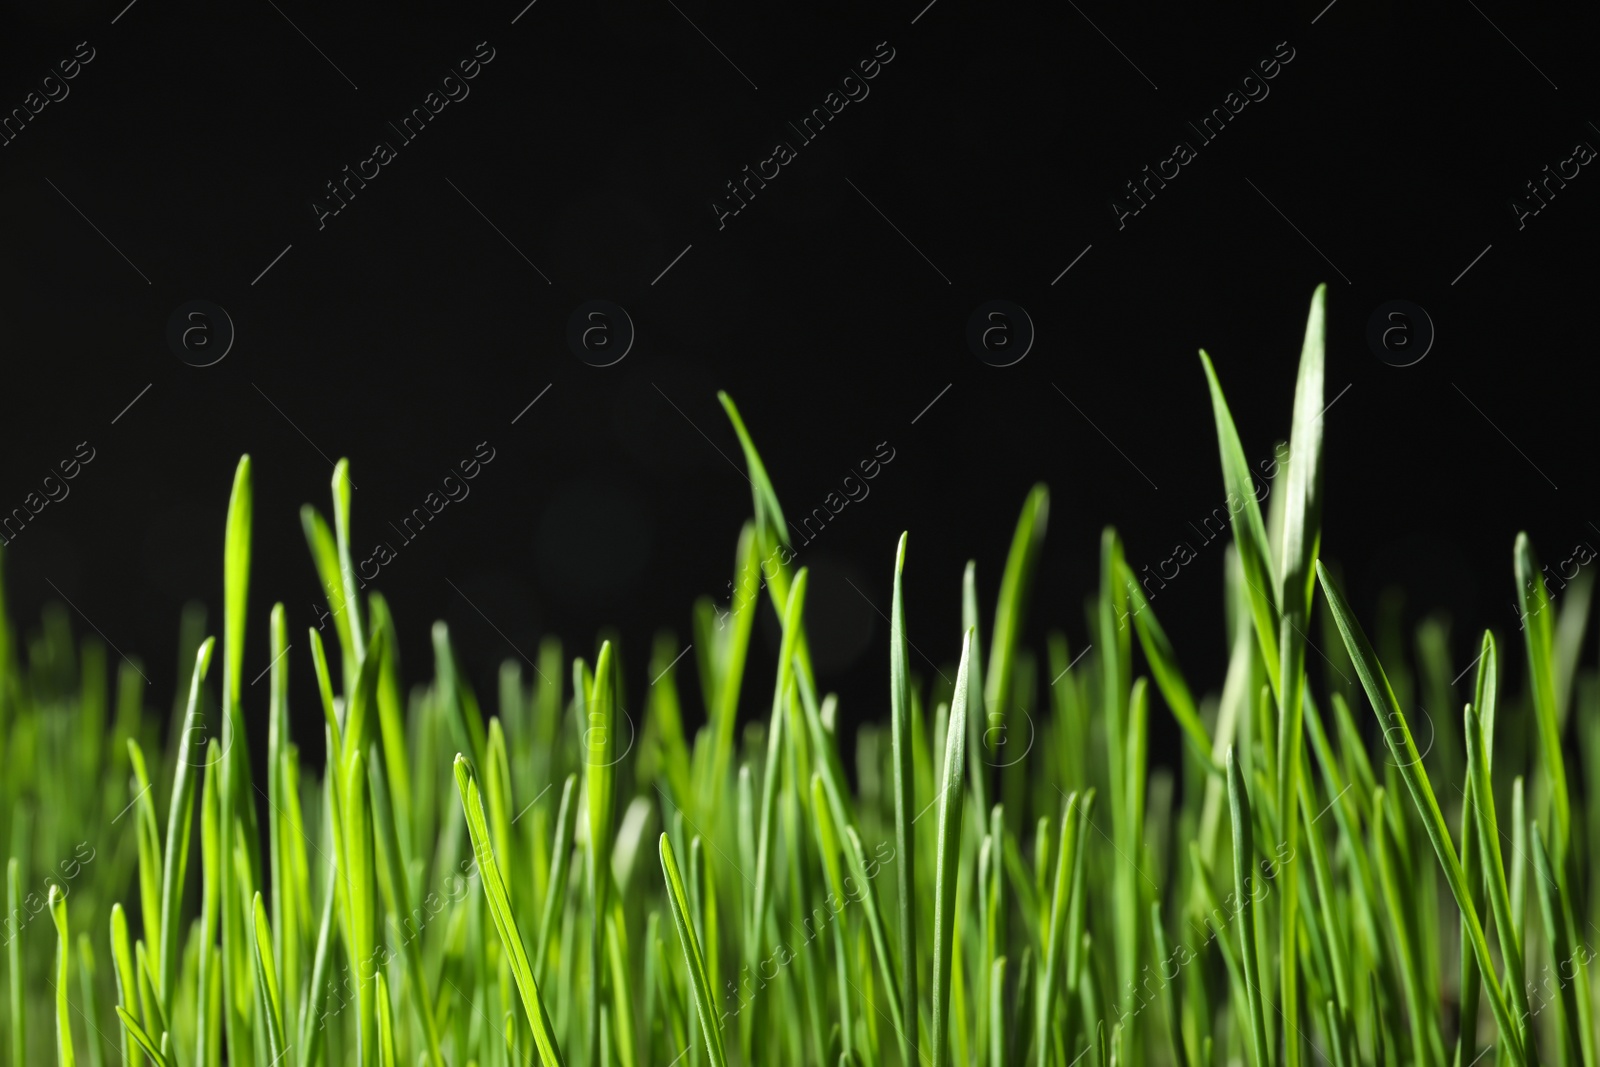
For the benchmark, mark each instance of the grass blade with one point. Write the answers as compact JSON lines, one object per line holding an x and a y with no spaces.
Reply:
{"x":1572,"y":973}
{"x":1507,"y":928}
{"x":1066,"y":860}
{"x":494,"y":890}
{"x":1538,"y":629}
{"x":560,"y":870}
{"x":267,"y":982}
{"x":1015,"y":583}
{"x":1243,"y":888}
{"x":1249,"y":534}
{"x":142,"y":1038}
{"x":1397,"y":733}
{"x":58,"y":912}
{"x":905,"y":804}
{"x":691,"y":955}
{"x":948,"y":861}
{"x":19,"y":1021}
{"x":179,"y":821}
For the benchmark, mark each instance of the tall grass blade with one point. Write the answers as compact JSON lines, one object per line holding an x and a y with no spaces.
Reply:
{"x":494,"y":890}
{"x":1010,"y":611}
{"x":1397,"y":733}
{"x":179,"y":821}
{"x":58,"y":912}
{"x":948,"y":858}
{"x":1249,"y":534}
{"x":1244,"y":893}
{"x":691,"y":955}
{"x":1538,"y":630}
{"x":19,"y":1021}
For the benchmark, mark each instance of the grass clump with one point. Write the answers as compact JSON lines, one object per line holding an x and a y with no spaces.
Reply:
{"x":1289,"y":893}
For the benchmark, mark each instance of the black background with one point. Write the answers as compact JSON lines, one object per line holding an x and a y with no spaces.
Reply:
{"x":833,"y":308}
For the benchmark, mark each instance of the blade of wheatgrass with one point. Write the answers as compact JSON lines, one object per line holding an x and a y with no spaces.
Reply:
{"x":560,"y":870}
{"x":1050,"y":982}
{"x":1519,"y":857}
{"x":1243,"y":863}
{"x":1249,"y":533}
{"x":905,"y":805}
{"x":1302,"y":534}
{"x":1471,"y":981}
{"x":948,"y":859}
{"x":325,"y":558}
{"x":180,"y":819}
{"x":494,"y":891}
{"x":388,"y":850}
{"x":1021,"y":1024}
{"x":1538,"y":626}
{"x":497,"y":801}
{"x":19,"y":1019}
{"x":828,"y":849}
{"x":1508,"y":930}
{"x":155,"y":1018}
{"x":311,"y":1028}
{"x":235,"y":770}
{"x":599,"y":787}
{"x":1329,"y":904}
{"x":771,"y":528}
{"x":1385,"y":852}
{"x":361,"y":890}
{"x":330,"y":711}
{"x":87,"y":983}
{"x":1211,"y":907}
{"x":270,"y":1003}
{"x":1561,"y":932}
{"x":996,"y":1012}
{"x":386,"y":1025}
{"x":622,"y":985}
{"x":1172,"y":1005}
{"x":977,"y":767}
{"x":1011,"y":608}
{"x":825,"y":746}
{"x":1115,"y":661}
{"x":148,"y":839}
{"x":341,"y":487}
{"x":58,"y":912}
{"x":1404,"y":750}
{"x":740,"y":621}
{"x":855,"y":854}
{"x":772,"y":771}
{"x":210,"y":908}
{"x":389,"y":697}
{"x":1302,"y":526}
{"x":137,"y":1032}
{"x":285,"y":836}
{"x":691,"y":954}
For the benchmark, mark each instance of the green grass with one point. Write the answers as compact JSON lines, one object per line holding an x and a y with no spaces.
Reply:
{"x":455,"y":887}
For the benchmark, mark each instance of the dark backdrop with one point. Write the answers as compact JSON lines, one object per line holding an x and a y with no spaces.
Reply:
{"x":183,"y":161}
